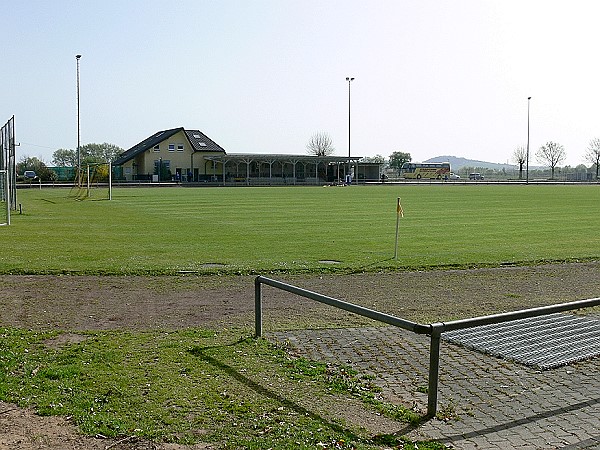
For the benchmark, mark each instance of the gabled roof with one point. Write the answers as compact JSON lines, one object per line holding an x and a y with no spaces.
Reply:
{"x":198,"y":140}
{"x":201,"y":142}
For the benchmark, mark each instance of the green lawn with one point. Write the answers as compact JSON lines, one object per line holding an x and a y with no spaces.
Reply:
{"x":233,"y":230}
{"x":192,"y":385}
{"x":200,"y":385}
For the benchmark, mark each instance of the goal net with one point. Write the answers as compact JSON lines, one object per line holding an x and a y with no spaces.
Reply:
{"x":94,"y":182}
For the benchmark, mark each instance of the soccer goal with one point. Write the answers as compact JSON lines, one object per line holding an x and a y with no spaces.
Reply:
{"x":8,"y":173}
{"x":94,"y":182}
{"x":4,"y":198}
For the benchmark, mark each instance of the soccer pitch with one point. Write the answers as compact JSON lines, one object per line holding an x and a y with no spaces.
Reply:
{"x":295,"y":229}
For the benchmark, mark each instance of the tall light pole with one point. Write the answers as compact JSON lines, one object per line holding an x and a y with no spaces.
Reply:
{"x":349,"y":80}
{"x":77,"y":57}
{"x":527,"y":170}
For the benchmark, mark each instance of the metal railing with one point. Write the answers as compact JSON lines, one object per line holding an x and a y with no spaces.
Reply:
{"x":434,"y":330}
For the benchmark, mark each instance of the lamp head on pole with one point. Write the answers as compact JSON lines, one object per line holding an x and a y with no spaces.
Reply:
{"x":77,"y":56}
{"x":349,"y":78}
{"x":528,"y":98}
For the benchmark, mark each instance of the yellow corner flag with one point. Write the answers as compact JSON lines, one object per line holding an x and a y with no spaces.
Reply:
{"x":399,"y":213}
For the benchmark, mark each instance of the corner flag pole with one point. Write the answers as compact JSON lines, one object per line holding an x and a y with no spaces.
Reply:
{"x":399,"y":213}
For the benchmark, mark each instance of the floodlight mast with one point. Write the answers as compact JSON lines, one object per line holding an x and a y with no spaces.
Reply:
{"x":527,"y":169}
{"x":348,"y":178}
{"x":78,"y":57}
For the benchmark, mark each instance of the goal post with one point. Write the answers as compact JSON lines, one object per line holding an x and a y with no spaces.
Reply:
{"x":8,"y":171}
{"x":4,"y":198}
{"x":95,"y":182}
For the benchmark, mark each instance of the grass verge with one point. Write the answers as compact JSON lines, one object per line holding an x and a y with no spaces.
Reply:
{"x":192,"y":386}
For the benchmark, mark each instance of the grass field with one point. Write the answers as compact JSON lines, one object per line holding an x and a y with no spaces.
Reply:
{"x":248,"y":230}
{"x":221,"y":386}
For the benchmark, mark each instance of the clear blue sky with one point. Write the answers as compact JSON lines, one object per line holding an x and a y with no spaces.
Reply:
{"x":431,"y":77}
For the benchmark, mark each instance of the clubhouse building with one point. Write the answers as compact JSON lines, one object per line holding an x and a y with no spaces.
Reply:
{"x":192,"y":157}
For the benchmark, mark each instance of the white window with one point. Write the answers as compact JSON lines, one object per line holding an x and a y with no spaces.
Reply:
{"x":157,"y":148}
{"x":179,"y":147}
{"x":171,"y":147}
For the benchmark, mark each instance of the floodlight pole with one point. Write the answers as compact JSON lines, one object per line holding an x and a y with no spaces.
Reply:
{"x":349,"y":80}
{"x":77,"y":57}
{"x":527,"y":170}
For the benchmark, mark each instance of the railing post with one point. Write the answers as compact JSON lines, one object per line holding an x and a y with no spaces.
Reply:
{"x":257,"y":307}
{"x":434,"y":369}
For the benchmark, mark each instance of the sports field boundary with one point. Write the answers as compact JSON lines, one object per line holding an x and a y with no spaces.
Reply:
{"x":434,"y":330}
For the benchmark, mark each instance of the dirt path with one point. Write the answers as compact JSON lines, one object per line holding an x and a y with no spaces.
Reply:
{"x":93,"y":303}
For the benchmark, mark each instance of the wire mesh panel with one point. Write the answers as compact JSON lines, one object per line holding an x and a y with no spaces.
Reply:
{"x":543,"y":342}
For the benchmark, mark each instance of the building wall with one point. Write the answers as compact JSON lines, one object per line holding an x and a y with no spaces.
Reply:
{"x":177,"y":160}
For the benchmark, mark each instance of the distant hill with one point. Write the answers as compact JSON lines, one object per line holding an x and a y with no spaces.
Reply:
{"x":457,"y":163}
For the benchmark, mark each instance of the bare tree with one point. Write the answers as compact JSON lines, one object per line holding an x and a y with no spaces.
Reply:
{"x":520,"y":156}
{"x":320,"y":144}
{"x":593,"y":154}
{"x":551,"y":154}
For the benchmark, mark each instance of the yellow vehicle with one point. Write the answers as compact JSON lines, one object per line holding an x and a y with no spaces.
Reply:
{"x":437,"y":171}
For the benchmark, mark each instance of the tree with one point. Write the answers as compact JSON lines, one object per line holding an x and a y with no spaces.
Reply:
{"x":593,"y":154}
{"x":520,"y":156}
{"x":64,"y":157}
{"x":399,"y":158}
{"x":320,"y":144}
{"x":96,"y":153}
{"x":551,"y":154}
{"x":88,"y":154}
{"x":37,"y":165}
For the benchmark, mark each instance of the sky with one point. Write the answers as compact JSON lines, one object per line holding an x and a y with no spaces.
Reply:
{"x":431,"y":77}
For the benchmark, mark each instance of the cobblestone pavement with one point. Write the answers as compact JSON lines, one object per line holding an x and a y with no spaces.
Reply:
{"x":486,"y":402}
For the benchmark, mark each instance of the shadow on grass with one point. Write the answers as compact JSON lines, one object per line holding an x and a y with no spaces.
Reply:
{"x":395,"y":438}
{"x":201,"y":352}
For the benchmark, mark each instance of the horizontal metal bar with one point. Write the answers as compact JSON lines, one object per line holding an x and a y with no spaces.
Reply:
{"x":434,"y":330}
{"x":513,"y":315}
{"x":366,"y":312}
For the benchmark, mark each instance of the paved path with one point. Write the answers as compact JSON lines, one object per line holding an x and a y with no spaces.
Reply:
{"x":491,"y":403}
